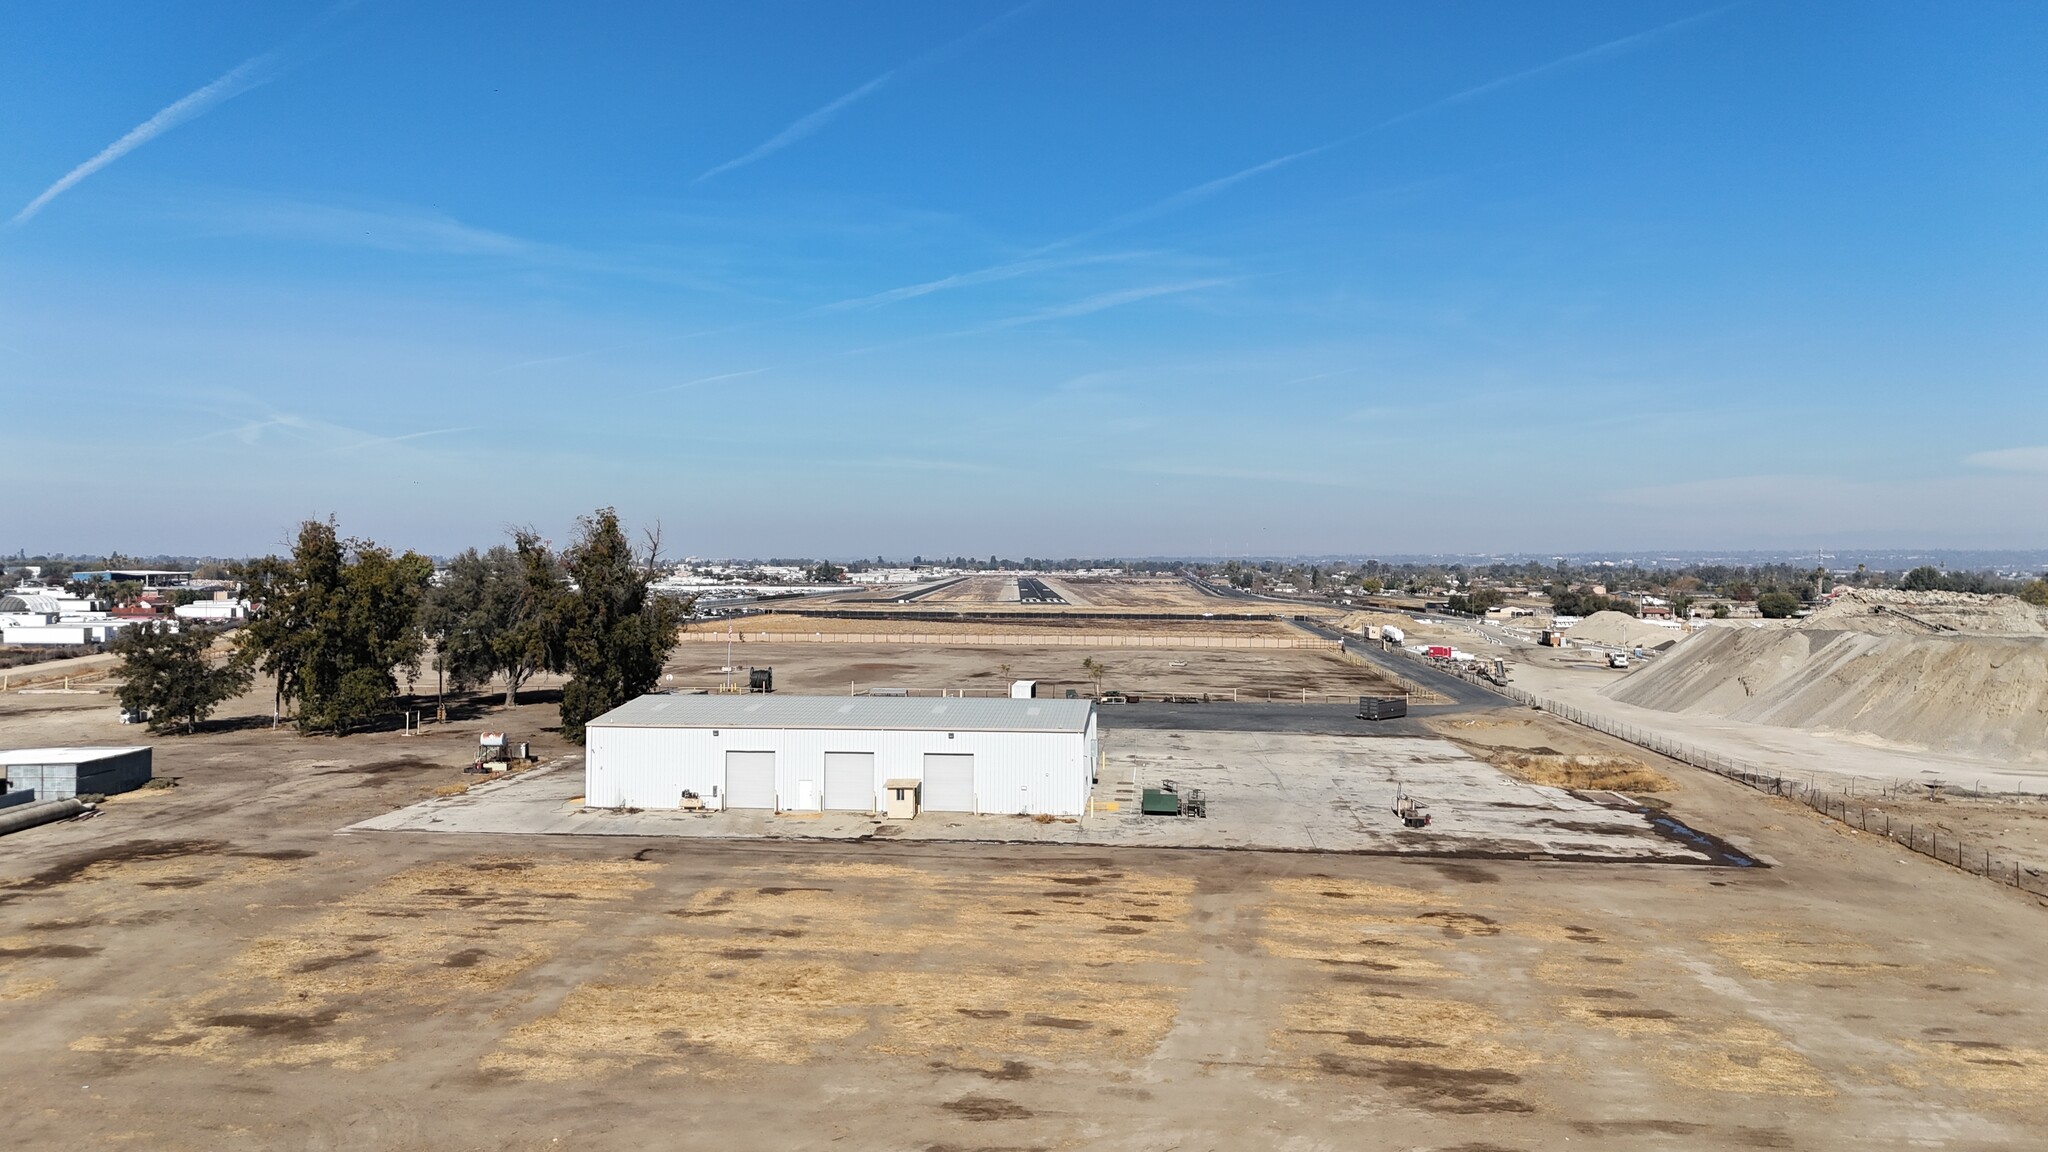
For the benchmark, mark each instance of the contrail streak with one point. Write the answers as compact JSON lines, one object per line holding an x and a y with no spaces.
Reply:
{"x":250,"y":73}
{"x":811,"y":122}
{"x":801,"y":128}
{"x":1209,"y":188}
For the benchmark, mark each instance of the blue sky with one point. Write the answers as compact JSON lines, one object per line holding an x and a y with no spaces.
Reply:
{"x":1063,"y":278}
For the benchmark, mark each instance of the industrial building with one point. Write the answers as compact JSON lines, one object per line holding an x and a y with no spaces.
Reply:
{"x":57,"y":773}
{"x":841,"y":753}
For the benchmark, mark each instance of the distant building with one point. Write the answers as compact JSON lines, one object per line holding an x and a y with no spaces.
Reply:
{"x":147,"y":577}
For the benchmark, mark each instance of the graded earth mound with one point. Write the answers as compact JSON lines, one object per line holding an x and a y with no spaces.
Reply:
{"x":1931,"y":613}
{"x":1897,"y":667}
{"x":1621,"y":630}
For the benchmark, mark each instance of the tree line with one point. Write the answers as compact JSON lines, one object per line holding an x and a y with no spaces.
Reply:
{"x":340,"y":620}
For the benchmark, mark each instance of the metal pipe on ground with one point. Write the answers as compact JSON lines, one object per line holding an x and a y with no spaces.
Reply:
{"x":41,"y":812}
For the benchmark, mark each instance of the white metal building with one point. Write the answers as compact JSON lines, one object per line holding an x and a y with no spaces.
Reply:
{"x":832,"y":753}
{"x":53,"y":773}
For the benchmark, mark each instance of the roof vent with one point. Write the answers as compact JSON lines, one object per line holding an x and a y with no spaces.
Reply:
{"x":1033,"y":710}
{"x":754,"y":707}
{"x":845,"y":708}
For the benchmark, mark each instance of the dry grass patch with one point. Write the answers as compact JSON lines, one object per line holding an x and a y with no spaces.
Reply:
{"x":2015,"y":1074}
{"x":432,"y":938}
{"x":17,"y":990}
{"x":1744,"y":1057}
{"x":1780,"y":955}
{"x":1609,"y":773}
{"x":780,"y":971}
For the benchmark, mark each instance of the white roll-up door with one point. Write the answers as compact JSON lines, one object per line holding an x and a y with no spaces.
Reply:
{"x":850,"y":781}
{"x":750,"y":780}
{"x":948,"y":782}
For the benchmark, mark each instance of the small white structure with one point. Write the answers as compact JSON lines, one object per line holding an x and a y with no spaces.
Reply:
{"x":218,"y":608}
{"x":841,"y":753}
{"x":1023,"y":689}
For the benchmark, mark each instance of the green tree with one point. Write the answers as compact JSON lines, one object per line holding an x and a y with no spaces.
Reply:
{"x":826,"y":572}
{"x":1777,"y":605}
{"x":2035,"y":592}
{"x":612,"y":633}
{"x":169,"y":677}
{"x":488,"y":616}
{"x":1478,"y":602}
{"x":1095,"y":669}
{"x":334,"y":622}
{"x":1925,"y":578}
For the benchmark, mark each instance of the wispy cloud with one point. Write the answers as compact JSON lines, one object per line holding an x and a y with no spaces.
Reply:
{"x":1256,"y":475}
{"x":395,"y":229}
{"x":989,"y":275}
{"x":1106,"y":300}
{"x":307,"y":433}
{"x":2033,"y":459}
{"x":379,"y":441}
{"x":1613,"y":47}
{"x":810,"y":122}
{"x":708,"y":380}
{"x":802,"y":127}
{"x":1209,"y":188}
{"x":250,"y":73}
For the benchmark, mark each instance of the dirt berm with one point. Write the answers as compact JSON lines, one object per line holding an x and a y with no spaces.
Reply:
{"x":1852,"y":670}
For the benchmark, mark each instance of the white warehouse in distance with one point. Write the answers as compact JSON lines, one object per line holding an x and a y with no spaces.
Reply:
{"x":833,"y":753}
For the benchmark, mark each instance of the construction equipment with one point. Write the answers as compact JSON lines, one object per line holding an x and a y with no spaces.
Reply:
{"x":1412,"y":813}
{"x":1169,"y":800}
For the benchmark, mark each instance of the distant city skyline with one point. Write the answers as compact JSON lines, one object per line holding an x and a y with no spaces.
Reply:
{"x":1028,"y":278}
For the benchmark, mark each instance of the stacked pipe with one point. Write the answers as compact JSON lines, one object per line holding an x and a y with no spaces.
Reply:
{"x":41,"y":812}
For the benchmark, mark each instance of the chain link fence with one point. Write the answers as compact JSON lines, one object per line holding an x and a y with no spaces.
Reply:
{"x":1836,"y":804}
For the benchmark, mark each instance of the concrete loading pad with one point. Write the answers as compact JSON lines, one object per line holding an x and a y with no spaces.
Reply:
{"x":1264,"y":790}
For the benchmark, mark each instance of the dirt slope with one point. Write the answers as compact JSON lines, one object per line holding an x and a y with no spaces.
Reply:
{"x":1972,"y":694}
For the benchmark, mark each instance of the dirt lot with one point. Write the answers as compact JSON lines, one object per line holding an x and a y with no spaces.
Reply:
{"x":831,"y":668}
{"x":784,"y":622}
{"x":210,"y":967}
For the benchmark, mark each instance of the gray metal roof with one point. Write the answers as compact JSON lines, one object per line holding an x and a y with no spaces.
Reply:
{"x":860,"y":712}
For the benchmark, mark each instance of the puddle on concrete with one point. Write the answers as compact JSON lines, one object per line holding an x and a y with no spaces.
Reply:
{"x":1717,"y":849}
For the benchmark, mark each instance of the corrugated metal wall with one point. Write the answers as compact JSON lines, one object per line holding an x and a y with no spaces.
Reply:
{"x":105,"y":776}
{"x":1026,"y":772}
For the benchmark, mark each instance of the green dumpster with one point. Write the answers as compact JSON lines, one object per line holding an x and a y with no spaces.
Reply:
{"x":1158,"y":802}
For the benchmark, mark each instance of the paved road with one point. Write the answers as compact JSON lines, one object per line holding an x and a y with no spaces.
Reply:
{"x":1464,"y":694}
{"x":1031,"y":590}
{"x":1297,"y":719}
